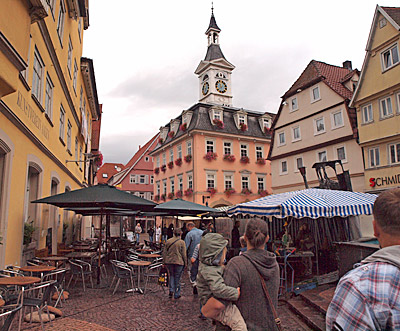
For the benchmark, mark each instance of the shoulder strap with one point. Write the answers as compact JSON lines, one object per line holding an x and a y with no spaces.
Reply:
{"x":276,"y":317}
{"x":172,"y":244}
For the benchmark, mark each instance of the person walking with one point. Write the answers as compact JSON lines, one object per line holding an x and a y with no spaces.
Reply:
{"x":151,"y":234}
{"x":192,"y":238}
{"x":235,"y":241}
{"x":158,"y":234}
{"x":170,"y":231}
{"x":244,"y":271}
{"x":164,"y":233}
{"x":174,"y":256}
{"x":368,"y":297}
{"x":138,"y":231}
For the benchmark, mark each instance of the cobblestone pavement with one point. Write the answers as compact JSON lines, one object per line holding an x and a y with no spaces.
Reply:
{"x":99,"y":310}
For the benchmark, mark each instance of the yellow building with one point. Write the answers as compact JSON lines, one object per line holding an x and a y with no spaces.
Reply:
{"x":48,"y":100}
{"x":377,"y":100}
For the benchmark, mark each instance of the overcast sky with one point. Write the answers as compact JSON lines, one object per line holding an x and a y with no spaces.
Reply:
{"x":145,"y":54}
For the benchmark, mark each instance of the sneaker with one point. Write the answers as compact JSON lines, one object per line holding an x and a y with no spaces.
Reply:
{"x":170,"y":294}
{"x":176,"y":298}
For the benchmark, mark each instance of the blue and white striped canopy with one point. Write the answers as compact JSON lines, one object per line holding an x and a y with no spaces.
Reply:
{"x":312,"y":203}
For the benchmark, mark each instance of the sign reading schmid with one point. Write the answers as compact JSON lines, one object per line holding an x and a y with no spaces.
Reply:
{"x":383,"y":181}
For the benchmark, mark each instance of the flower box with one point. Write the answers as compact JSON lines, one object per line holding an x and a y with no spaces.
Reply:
{"x":246,"y":191}
{"x":260,"y":161}
{"x":210,"y":156}
{"x":157,"y":170}
{"x":160,"y":141}
{"x":163,"y":197}
{"x":156,"y":198}
{"x":170,"y":164}
{"x":188,"y":158}
{"x":229,"y":191}
{"x":183,"y":127}
{"x":218,"y":123}
{"x":263,"y":193}
{"x":243,"y":126}
{"x":244,"y":159}
{"x":189,"y":192}
{"x":163,"y":168}
{"x":171,"y":134}
{"x":178,"y":162}
{"x":98,"y":160}
{"x":229,"y":157}
{"x":267,"y":130}
{"x":171,"y":195}
{"x":179,"y":194}
{"x":212,"y":190}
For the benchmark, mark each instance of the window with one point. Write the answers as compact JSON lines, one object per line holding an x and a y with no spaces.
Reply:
{"x":322,"y":157}
{"x":172,"y":184}
{"x":62,"y":122}
{"x":390,"y":57}
{"x":76,"y":148}
{"x":80,"y":29}
{"x":394,"y":153}
{"x":48,"y":102}
{"x":296,"y":133}
{"x":105,"y":176}
{"x":282,"y":138}
{"x":164,"y":159}
{"x":337,"y":119}
{"x":266,"y":123}
{"x":243,"y":150}
{"x":165,"y":186}
{"x":209,"y":146}
{"x":259,"y":152}
{"x":298,"y":163}
{"x":75,"y":75}
{"x":211,"y":181}
{"x":227,"y":147}
{"x":242,"y":119}
{"x":179,"y":151}
{"x":293,"y":104}
{"x":80,"y":157}
{"x":37,"y":79}
{"x":367,"y":114}
{"x":171,"y":155}
{"x":146,"y":159}
{"x":217,"y":115}
{"x":228,"y":180}
{"x":245,"y":182}
{"x":189,"y":147}
{"x":142,"y":179}
{"x":158,"y":187}
{"x":132,"y":179}
{"x":158,"y":162}
{"x":261,"y":182}
{"x":60,"y":22}
{"x":69,"y":60}
{"x":180,"y":183}
{"x":69,"y":129}
{"x":151,"y":179}
{"x":284,"y":168}
{"x":315,"y":96}
{"x":319,"y":125}
{"x":373,"y":157}
{"x":190,"y":181}
{"x":341,"y":153}
{"x":386,"y":107}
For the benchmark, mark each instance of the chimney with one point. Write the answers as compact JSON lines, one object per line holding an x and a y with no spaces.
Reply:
{"x":347,"y":65}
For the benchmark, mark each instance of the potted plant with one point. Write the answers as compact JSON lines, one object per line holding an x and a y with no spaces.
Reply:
{"x":171,"y":195}
{"x":171,"y":134}
{"x":189,"y":192}
{"x":212,"y":190}
{"x":163,"y":197}
{"x":229,"y":191}
{"x":157,"y":170}
{"x":163,"y":168}
{"x":98,"y":160}
{"x":170,"y":164}
{"x":179,"y":194}
{"x":263,"y":193}
{"x":229,"y":157}
{"x":218,"y":123}
{"x":178,"y":162}
{"x":244,"y":159}
{"x":29,"y":229}
{"x":157,"y":198}
{"x":160,"y":141}
{"x":246,"y":191}
{"x":260,"y":161}
{"x":243,"y":126}
{"x":188,"y":158}
{"x":210,"y":156}
{"x":183,"y":127}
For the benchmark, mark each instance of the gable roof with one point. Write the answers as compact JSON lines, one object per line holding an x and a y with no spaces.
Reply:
{"x":394,"y":13}
{"x":107,"y":168}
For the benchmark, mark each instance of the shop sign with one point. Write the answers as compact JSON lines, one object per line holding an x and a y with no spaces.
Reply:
{"x":384,"y":181}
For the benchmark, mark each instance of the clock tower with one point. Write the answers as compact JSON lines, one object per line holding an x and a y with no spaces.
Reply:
{"x":214,"y":72}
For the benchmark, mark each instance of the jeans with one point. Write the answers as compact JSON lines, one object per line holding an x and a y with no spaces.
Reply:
{"x":151,"y":239}
{"x":137,"y":237}
{"x":175,"y":273}
{"x":164,"y":238}
{"x":194,"y":270}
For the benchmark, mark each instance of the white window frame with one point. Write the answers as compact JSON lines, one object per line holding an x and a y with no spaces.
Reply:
{"x":37,"y":76}
{"x":48,"y":100}
{"x":336,"y":148}
{"x":189,"y":177}
{"x":171,"y":155}
{"x":367,"y":111}
{"x":245,"y":181}
{"x":142,"y":179}
{"x":227,"y":145}
{"x":211,"y":176}
{"x":132,"y":179}
{"x":164,"y":158}
{"x":398,"y":102}
{"x":172,"y":184}
{"x":322,"y":151}
{"x":164,"y":188}
{"x":386,"y":103}
{"x":316,"y":131}
{"x":280,"y":142}
{"x":60,"y":21}
{"x":179,"y":151}
{"x":294,"y":138}
{"x":334,"y":125}
{"x":281,"y":170}
{"x":217,"y":114}
{"x":228,"y":178}
{"x":261,"y":180}
{"x":62,"y":123}
{"x":242,"y":119}
{"x":296,"y":166}
{"x":397,"y":155}
{"x":180,"y":182}
{"x":267,"y":123}
{"x":210,"y":145}
{"x":259,"y":151}
{"x":158,"y":162}
{"x":69,"y":135}
{"x":244,"y":149}
{"x":376,"y":154}
{"x":294,"y":104}
{"x":158,"y":188}
{"x":189,"y":147}
{"x":313,"y":99}
{"x":69,"y":59}
{"x":390,"y":51}
{"x":74,"y":81}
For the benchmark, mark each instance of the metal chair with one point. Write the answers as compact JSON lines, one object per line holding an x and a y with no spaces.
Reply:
{"x":121,"y":271}
{"x":9,"y":315}
{"x":59,"y":277}
{"x":152,"y":271}
{"x":80,"y":269}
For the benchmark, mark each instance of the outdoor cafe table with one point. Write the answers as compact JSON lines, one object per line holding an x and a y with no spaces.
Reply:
{"x":147,"y":250}
{"x":138,"y":264}
{"x":80,"y":255}
{"x":19,"y":280}
{"x":56,"y":259}
{"x":149,"y":256}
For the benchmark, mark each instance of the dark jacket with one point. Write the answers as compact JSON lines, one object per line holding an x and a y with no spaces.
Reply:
{"x":235,"y":237}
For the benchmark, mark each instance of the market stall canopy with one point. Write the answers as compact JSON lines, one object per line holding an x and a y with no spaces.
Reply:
{"x":102,"y":196}
{"x":312,"y":203}
{"x":179,"y":207}
{"x":93,"y":211}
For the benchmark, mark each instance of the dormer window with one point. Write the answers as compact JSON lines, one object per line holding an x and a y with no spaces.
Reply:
{"x":217,"y":115}
{"x":267,"y":123}
{"x":221,"y":75}
{"x":241,"y":120}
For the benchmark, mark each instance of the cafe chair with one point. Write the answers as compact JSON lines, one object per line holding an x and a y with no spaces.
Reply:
{"x":121,"y":271}
{"x":94,"y":261}
{"x":8,"y":315}
{"x":38,"y":297}
{"x":80,"y":269}
{"x":152,"y":271}
{"x":58,"y":276}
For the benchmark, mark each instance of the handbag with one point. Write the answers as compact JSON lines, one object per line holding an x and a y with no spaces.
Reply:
{"x":163,"y":277}
{"x":276,"y":317}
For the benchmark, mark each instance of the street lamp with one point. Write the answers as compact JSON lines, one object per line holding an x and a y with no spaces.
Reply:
{"x":303,"y":173}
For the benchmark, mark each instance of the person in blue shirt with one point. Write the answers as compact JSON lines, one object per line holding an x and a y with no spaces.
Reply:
{"x":192,"y":238}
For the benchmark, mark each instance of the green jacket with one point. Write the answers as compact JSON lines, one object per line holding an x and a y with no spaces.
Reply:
{"x":175,"y":251}
{"x":209,"y":278}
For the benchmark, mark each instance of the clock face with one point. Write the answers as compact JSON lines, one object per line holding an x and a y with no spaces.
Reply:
{"x":205,"y":88}
{"x":220,"y":85}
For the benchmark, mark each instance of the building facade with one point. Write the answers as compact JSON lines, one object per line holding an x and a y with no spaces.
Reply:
{"x":48,"y":99}
{"x":214,"y":153}
{"x":315,"y":124}
{"x":377,"y":100}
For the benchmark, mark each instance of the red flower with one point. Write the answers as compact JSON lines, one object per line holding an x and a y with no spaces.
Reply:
{"x":171,"y":134}
{"x":244,"y":159}
{"x":229,"y":157}
{"x":160,"y":140}
{"x":188,"y":158}
{"x":246,"y":191}
{"x":170,"y":164}
{"x":179,"y":194}
{"x":171,"y":195}
{"x":229,"y":191}
{"x":212,"y":190}
{"x":183,"y":127}
{"x":178,"y":162}
{"x":163,"y":197}
{"x":218,"y":123}
{"x":98,"y":160}
{"x":263,"y":193}
{"x":210,"y":156}
{"x":157,"y":198}
{"x":157,"y":170}
{"x":188,"y":192}
{"x":163,"y":168}
{"x":260,"y":160}
{"x":267,"y":130}
{"x":243,"y":126}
